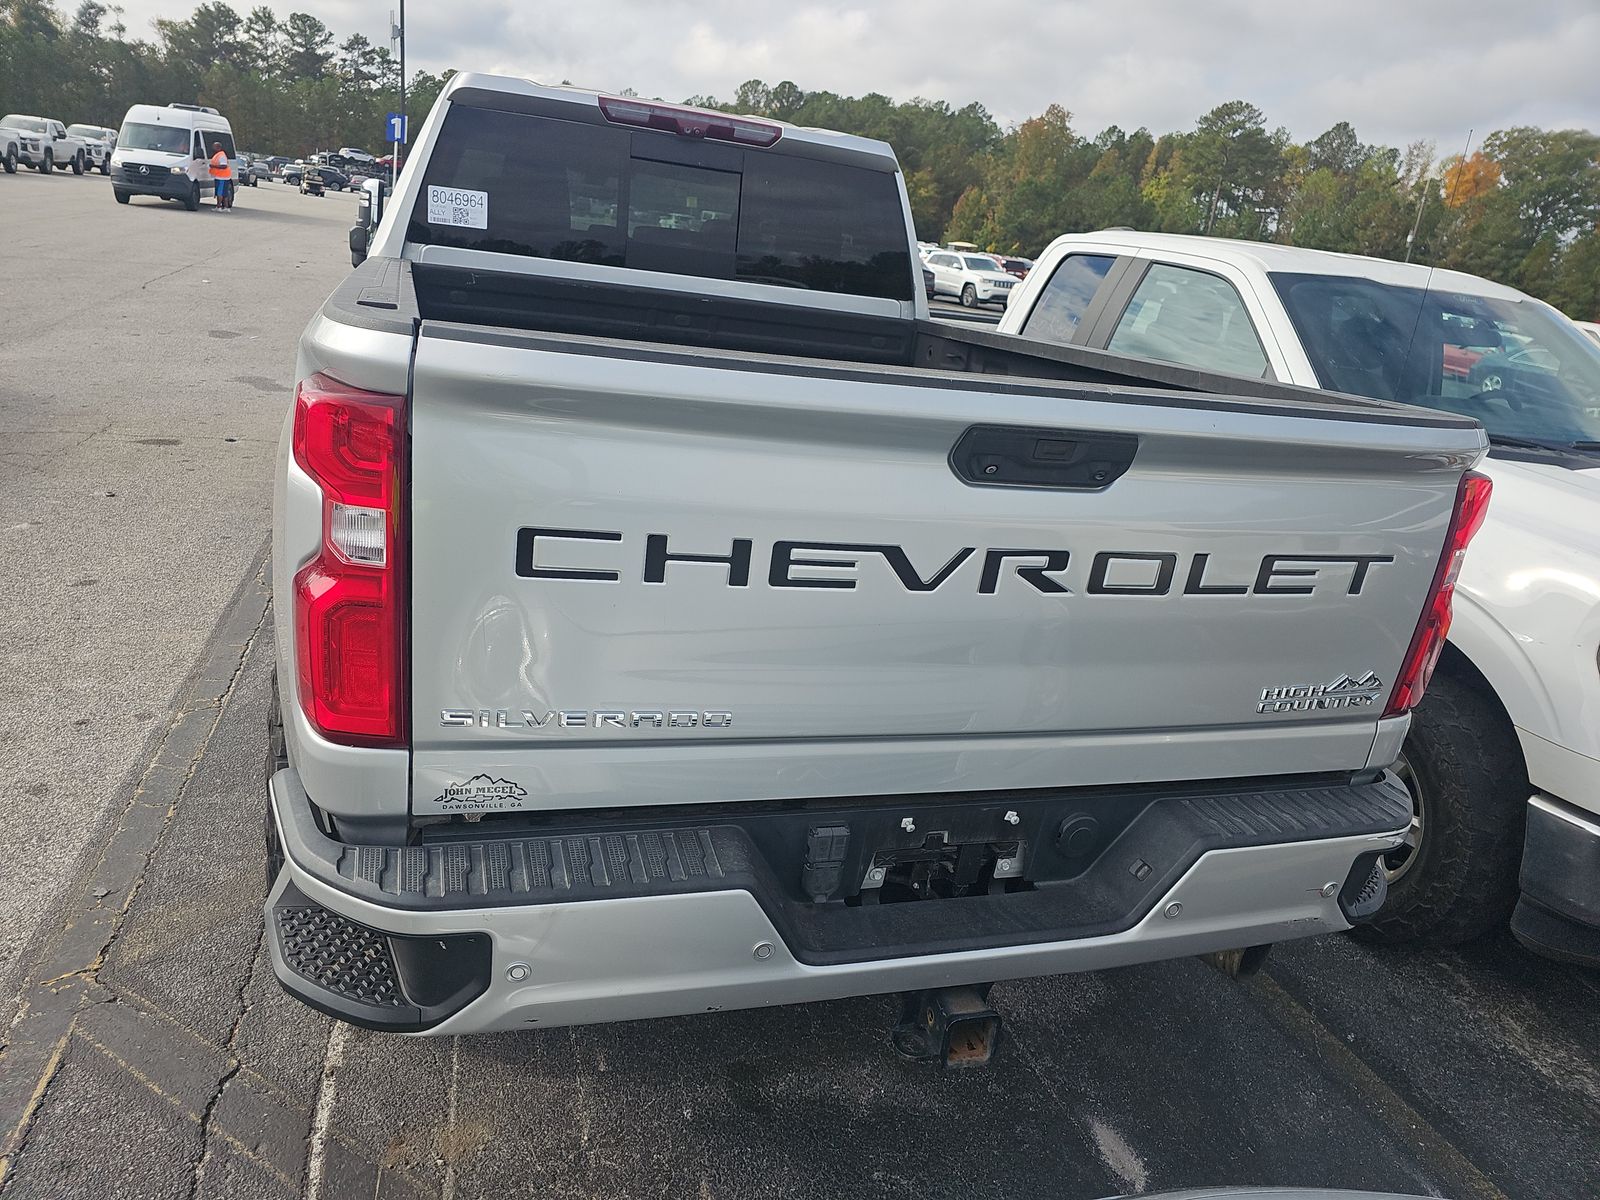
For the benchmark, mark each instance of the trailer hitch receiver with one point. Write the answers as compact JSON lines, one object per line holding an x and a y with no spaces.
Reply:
{"x":954,"y":1026}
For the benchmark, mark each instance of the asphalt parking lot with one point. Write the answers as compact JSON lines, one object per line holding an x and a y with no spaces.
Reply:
{"x":150,"y":1053}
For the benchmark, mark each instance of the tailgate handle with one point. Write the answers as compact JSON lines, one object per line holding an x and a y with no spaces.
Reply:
{"x":1064,"y":459}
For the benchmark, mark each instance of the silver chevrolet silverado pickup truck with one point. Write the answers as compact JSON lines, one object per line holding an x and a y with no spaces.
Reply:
{"x":671,"y":617}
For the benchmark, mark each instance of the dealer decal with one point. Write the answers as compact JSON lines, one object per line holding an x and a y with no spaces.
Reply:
{"x":482,"y":792}
{"x":458,"y":206}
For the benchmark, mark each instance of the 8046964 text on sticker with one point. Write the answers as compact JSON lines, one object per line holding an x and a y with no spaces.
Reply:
{"x":458,"y":206}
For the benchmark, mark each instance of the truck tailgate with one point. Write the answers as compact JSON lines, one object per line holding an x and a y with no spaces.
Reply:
{"x":642,"y":576}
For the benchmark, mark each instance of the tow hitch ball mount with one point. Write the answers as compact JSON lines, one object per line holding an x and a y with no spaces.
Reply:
{"x":953,"y":1026}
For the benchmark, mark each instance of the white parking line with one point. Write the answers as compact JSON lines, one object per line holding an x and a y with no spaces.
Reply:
{"x":1121,"y":1159}
{"x":449,"y":1190}
{"x":332,"y":1060}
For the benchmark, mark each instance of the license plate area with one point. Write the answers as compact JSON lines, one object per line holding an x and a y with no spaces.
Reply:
{"x":941,"y":868}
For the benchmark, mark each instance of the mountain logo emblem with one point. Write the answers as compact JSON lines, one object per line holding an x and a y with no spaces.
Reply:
{"x":1347,"y":683}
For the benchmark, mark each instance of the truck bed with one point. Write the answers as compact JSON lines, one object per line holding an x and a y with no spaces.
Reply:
{"x":394,"y":296}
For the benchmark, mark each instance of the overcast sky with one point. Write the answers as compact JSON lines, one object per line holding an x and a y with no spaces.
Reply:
{"x":1397,"y":69}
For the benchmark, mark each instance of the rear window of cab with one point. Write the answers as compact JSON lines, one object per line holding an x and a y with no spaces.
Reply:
{"x":512,"y":183}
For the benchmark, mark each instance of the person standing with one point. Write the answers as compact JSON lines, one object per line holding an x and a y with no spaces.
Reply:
{"x":221,"y":177}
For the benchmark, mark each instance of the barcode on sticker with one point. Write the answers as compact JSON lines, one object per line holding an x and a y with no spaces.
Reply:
{"x":458,"y":206}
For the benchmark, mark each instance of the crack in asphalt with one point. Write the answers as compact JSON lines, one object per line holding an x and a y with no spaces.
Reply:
{"x":77,"y":979}
{"x":236,"y":1063}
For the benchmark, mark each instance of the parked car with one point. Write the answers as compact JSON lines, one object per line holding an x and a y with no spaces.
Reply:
{"x":165,"y":151}
{"x":248,"y":173}
{"x":974,"y":278}
{"x":927,"y":281}
{"x":337,"y":169}
{"x":1511,"y":712}
{"x":19,"y":145}
{"x":562,"y":735}
{"x":99,"y":141}
{"x":1017,"y":267}
{"x":352,"y":154}
{"x":334,"y":178}
{"x":291,"y":172}
{"x":56,"y":149}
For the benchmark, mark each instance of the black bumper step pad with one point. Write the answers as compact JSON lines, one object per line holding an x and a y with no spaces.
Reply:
{"x":337,"y":955}
{"x":524,"y":869}
{"x":368,"y":977}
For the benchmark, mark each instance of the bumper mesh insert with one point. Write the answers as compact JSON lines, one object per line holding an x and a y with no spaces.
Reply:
{"x":338,"y":955}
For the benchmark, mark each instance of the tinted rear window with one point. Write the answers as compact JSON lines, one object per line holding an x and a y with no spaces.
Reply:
{"x":611,"y":196}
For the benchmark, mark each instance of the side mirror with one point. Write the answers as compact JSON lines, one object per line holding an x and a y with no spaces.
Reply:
{"x":372,"y":194}
{"x":369,"y":211}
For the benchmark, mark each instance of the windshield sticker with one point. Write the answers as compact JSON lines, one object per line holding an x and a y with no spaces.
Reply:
{"x":458,"y":206}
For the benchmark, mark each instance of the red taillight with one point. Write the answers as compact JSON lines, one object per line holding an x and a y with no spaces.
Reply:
{"x":1472,"y":503}
{"x":689,"y":122}
{"x":349,"y":603}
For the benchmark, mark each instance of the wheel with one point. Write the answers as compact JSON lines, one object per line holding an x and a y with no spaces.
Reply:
{"x":122,"y":196}
{"x":105,"y":165}
{"x":192,"y":200}
{"x":1455,"y":876}
{"x":48,"y":165}
{"x":77,"y":163}
{"x":11,"y":160}
{"x":969,"y":296}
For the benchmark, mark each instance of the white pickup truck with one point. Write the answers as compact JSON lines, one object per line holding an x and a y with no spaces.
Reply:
{"x":55,"y":149}
{"x":98,"y":143}
{"x":18,"y":146}
{"x":670,"y":617}
{"x":1503,"y":760}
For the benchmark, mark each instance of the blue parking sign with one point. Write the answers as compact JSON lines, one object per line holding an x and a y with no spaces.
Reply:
{"x":395,"y":127}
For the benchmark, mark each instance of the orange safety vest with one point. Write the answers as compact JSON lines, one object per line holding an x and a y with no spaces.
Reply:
{"x":219,"y":166}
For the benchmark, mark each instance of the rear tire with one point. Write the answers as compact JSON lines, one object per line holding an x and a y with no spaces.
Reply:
{"x":1470,"y":794}
{"x":969,"y":296}
{"x":122,"y":196}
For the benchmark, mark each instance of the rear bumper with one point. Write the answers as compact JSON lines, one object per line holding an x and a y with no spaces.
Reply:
{"x":623,"y":922}
{"x":1559,"y":912}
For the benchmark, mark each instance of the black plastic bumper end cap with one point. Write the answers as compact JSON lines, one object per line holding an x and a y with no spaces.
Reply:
{"x":1551,"y":935}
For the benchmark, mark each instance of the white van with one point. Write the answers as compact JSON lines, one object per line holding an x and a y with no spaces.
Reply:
{"x":166,"y":152}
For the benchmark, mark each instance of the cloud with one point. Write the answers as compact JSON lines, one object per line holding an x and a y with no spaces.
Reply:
{"x":1397,"y":69}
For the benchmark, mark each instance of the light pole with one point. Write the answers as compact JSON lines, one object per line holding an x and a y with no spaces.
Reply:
{"x":397,"y":33}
